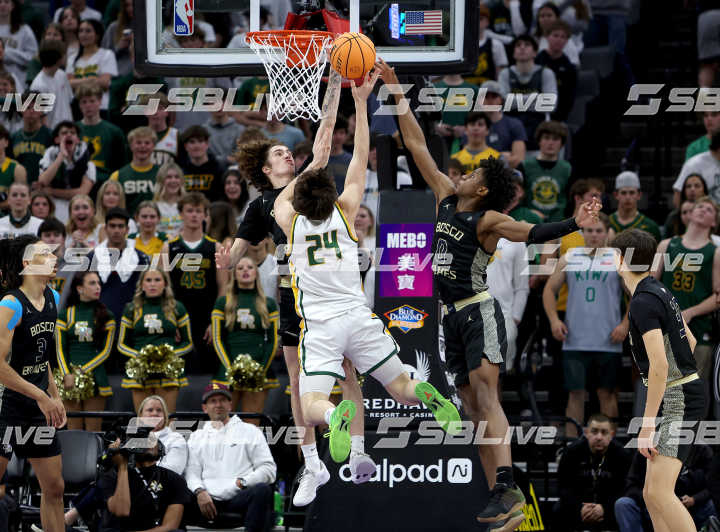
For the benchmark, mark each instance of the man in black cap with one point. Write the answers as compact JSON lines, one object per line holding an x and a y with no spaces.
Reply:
{"x":230,"y":468}
{"x":117,"y":262}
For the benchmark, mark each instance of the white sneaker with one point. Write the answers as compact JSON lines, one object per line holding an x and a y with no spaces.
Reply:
{"x":362,"y":467}
{"x":310,"y":481}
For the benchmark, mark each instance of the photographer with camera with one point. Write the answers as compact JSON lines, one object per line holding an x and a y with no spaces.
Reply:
{"x":139,"y":494}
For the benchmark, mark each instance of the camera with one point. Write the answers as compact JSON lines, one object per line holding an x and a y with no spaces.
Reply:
{"x":137,"y":444}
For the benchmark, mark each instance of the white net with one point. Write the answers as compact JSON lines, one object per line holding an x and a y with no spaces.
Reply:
{"x":294,"y":62}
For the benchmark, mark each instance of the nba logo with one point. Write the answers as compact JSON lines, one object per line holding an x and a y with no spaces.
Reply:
{"x":184,"y":16}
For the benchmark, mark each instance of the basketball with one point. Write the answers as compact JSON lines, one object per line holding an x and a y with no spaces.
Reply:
{"x":352,"y":55}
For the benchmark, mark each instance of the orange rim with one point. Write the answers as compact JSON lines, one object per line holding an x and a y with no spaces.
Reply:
{"x":302,"y":38}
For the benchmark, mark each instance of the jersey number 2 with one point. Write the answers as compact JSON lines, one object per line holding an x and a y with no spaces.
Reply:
{"x":327,"y":241}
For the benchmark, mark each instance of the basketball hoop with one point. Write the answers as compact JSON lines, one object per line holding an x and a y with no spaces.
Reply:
{"x":294,"y":61}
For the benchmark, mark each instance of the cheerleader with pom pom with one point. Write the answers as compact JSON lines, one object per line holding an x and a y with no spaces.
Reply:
{"x":244,"y":322}
{"x":153,"y":318}
{"x":86,"y":329}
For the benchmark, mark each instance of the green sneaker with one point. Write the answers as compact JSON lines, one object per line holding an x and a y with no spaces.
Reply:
{"x":340,"y":430}
{"x":444,"y":411}
{"x":508,"y":524}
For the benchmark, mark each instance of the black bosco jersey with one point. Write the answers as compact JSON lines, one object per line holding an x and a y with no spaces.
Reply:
{"x":654,"y":307}
{"x":259,"y":221}
{"x":33,"y":345}
{"x":195,"y":286}
{"x":460,"y":262}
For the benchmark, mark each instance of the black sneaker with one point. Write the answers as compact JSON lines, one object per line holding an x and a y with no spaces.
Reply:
{"x":504,"y":502}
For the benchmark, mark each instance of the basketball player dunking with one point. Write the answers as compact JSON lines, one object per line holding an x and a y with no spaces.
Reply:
{"x":30,"y":406}
{"x":271,"y":167}
{"x":469,"y":225}
{"x":336,"y":318}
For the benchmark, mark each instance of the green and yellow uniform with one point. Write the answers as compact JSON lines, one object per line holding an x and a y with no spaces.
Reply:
{"x":545,"y":187}
{"x":640,"y":221}
{"x":7,"y":173}
{"x":29,"y":148}
{"x":250,"y":89}
{"x":247,"y":336}
{"x":76,"y":343}
{"x":152,"y":247}
{"x":150,"y":326}
{"x":691,"y":288}
{"x":138,"y":183}
{"x":109,"y":147}
{"x":471,"y":160}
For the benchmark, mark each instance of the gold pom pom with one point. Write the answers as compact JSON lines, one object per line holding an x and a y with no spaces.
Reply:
{"x":154,"y":359}
{"x":246,"y":374}
{"x":84,"y":384}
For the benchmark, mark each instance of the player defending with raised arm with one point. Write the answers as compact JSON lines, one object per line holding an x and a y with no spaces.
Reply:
{"x":336,"y":319}
{"x":270,"y":166}
{"x":662,"y":346}
{"x":469,"y":225}
{"x":30,"y":400}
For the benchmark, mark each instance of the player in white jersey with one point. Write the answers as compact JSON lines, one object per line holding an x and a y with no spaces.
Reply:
{"x":329,"y":297}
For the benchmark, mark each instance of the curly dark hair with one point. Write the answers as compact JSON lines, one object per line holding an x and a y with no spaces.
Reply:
{"x":101,"y":314}
{"x":12,"y":252}
{"x":315,"y":194}
{"x":251,"y":157}
{"x":497,"y":177}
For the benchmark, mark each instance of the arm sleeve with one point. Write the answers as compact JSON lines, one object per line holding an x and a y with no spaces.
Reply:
{"x":272,"y":332}
{"x":193,"y":471}
{"x":25,"y":51}
{"x":183,"y":323}
{"x":61,"y":344}
{"x":252,"y":228}
{"x":125,"y":337}
{"x":217,"y":320}
{"x":14,"y":305}
{"x":646,"y":312}
{"x":499,"y":54}
{"x":104,"y":353}
{"x":176,"y":453}
{"x":264,"y":468}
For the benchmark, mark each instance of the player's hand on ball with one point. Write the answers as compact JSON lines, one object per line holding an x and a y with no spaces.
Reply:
{"x":362,"y":92}
{"x":588,"y":214}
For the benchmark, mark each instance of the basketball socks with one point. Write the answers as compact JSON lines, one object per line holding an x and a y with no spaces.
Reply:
{"x":357,"y":445}
{"x":312,"y":460}
{"x":328,"y":414}
{"x":504,"y":475}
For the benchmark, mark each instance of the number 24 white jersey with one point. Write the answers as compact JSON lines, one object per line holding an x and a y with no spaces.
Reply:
{"x":324,"y":263}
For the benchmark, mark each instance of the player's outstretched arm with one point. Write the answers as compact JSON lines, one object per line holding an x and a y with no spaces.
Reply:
{"x":356,"y":175}
{"x":495,"y":225}
{"x":321,"y":152}
{"x":414,"y":138}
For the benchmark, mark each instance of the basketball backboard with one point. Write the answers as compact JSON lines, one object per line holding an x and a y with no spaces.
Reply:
{"x":417,"y":36}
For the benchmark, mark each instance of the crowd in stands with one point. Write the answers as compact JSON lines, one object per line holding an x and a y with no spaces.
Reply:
{"x":120,"y":191}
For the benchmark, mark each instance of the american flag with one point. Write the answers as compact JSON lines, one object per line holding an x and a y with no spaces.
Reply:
{"x":423,"y":22}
